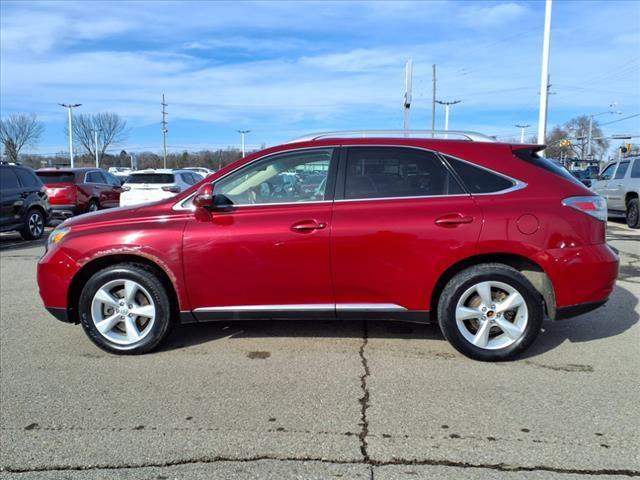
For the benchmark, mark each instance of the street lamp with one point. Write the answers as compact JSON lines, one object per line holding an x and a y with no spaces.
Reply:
{"x":447,"y":105}
{"x":522,"y":129}
{"x":590,"y":135}
{"x":69,"y":106}
{"x":95,"y":136}
{"x":242,"y":134}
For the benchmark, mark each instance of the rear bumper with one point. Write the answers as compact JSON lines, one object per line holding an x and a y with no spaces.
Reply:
{"x":63,"y":211}
{"x":575,"y":310}
{"x":61,"y":314}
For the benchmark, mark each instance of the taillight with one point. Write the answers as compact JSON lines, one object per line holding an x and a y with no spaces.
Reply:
{"x":593,"y":205}
{"x":172,"y":189}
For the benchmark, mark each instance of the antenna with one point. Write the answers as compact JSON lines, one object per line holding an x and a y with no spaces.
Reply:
{"x":408,"y":74}
{"x":164,"y":131}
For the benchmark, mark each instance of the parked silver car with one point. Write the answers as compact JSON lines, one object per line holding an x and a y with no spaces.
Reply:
{"x":619,"y":184}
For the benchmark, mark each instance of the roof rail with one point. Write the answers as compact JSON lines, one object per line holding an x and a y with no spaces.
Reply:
{"x":439,"y":134}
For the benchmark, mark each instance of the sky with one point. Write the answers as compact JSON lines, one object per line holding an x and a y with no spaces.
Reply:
{"x":284,"y":69}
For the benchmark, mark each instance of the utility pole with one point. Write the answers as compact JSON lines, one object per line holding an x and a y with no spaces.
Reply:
{"x":408,"y":77}
{"x":522,"y":129}
{"x":95,"y":137}
{"x":69,"y":106}
{"x":433,"y":102}
{"x":544,"y":74}
{"x":447,"y":105}
{"x":164,"y":132}
{"x":242,"y":134}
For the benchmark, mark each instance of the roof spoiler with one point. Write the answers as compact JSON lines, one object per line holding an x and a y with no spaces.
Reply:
{"x":527,"y":150}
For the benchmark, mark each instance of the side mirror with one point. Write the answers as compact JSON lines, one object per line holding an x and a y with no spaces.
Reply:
{"x":204,"y":197}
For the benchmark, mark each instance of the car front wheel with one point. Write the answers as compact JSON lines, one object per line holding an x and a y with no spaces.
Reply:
{"x":125,"y":309}
{"x":490,"y":312}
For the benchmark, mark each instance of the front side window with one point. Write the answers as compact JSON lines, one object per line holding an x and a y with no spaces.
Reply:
{"x":621,"y":171}
{"x":607,"y":173}
{"x":283,"y":178}
{"x":111,"y":180}
{"x":390,"y":172}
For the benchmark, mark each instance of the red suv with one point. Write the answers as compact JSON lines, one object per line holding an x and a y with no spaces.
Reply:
{"x":78,"y":190}
{"x":484,"y":238}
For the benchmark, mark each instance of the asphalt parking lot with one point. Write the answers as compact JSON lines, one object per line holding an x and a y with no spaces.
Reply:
{"x":317,"y":399}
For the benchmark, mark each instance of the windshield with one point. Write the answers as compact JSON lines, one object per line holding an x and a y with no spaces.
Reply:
{"x":56,"y":177}
{"x":151,"y":178}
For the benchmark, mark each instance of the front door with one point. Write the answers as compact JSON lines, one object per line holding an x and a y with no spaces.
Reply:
{"x":266,"y":256}
{"x":401,"y":217}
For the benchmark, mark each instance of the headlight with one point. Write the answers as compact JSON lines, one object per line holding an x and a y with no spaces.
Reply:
{"x":57,"y":235}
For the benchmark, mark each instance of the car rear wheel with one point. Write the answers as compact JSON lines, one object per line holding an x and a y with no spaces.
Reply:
{"x":125,"y":309}
{"x":633,"y":213}
{"x":490,"y":312}
{"x":33,"y":226}
{"x":93,"y":206}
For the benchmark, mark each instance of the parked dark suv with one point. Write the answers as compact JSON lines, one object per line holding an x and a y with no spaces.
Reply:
{"x":24,"y":202}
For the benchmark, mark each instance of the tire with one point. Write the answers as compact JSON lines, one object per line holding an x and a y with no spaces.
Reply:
{"x":93,"y":206}
{"x":633,"y":213}
{"x":33,"y":225}
{"x":460,"y":313}
{"x":150,"y":299}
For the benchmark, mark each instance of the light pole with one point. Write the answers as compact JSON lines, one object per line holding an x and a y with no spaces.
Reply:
{"x":408,"y":75}
{"x":447,"y":105}
{"x":69,"y":106}
{"x":544,"y":74}
{"x":95,"y":137}
{"x":242,"y":134}
{"x":522,"y":129}
{"x":590,"y":134}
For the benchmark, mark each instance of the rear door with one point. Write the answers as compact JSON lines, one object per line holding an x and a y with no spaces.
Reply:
{"x":10,"y":197}
{"x":399,"y":218}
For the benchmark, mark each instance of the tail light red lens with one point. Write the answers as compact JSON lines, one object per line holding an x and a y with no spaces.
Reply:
{"x":593,"y":205}
{"x":172,"y":189}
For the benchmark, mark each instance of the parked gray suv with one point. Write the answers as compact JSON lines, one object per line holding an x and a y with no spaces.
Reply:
{"x":619,"y":184}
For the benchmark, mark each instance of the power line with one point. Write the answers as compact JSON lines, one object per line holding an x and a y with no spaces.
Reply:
{"x":621,"y":119}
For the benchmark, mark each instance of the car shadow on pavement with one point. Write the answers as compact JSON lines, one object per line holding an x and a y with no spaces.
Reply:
{"x":613,"y":319}
{"x":12,"y":241}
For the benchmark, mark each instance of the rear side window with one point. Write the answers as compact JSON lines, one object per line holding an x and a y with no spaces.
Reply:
{"x":56,"y":177}
{"x":151,"y":178}
{"x":28,"y":178}
{"x":532,"y":157}
{"x":622,"y":170}
{"x":95,"y":177}
{"x":389,"y":172}
{"x":478,"y":180}
{"x":635,"y":170}
{"x":8,"y":179}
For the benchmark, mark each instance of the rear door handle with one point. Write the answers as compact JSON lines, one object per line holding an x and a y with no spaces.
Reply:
{"x":453,"y":219}
{"x":307,"y":226}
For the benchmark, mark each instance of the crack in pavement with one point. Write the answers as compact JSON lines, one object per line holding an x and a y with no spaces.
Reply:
{"x":364,"y":400}
{"x":372,"y":463}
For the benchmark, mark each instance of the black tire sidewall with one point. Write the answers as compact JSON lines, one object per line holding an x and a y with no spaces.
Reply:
{"x":26,"y":232}
{"x":633,"y":204}
{"x":466,"y":279}
{"x":151,"y":283}
{"x":93,"y":202}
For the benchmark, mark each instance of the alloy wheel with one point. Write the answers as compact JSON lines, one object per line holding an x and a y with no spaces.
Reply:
{"x":123,"y":311}
{"x":492,"y":315}
{"x":36,"y":224}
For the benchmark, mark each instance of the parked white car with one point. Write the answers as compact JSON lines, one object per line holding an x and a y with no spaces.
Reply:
{"x":145,"y":186}
{"x":619,"y":184}
{"x":205,"y":172}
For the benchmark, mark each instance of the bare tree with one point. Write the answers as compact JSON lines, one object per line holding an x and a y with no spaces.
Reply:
{"x":18,"y":130}
{"x":576,"y":131}
{"x":111,"y":129}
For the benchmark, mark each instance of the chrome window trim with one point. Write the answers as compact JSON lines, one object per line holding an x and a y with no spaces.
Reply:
{"x":305,"y":307}
{"x":517,"y":184}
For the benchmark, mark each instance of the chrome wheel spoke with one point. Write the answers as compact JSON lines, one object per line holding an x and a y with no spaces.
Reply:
{"x":105,"y":297}
{"x":484,"y":292}
{"x":481,"y":338}
{"x":467,"y":313}
{"x":512,"y":331}
{"x":148,"y":311}
{"x":108,"y":323}
{"x":130,"y":289}
{"x":512,"y":302}
{"x":131,"y":329}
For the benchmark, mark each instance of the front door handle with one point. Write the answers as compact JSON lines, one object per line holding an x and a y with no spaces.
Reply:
{"x":453,"y":219}
{"x":307,"y":226}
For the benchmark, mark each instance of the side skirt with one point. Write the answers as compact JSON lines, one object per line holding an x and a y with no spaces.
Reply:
{"x":415,"y":316}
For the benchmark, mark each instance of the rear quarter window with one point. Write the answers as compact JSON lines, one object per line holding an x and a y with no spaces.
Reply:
{"x":28,"y":178}
{"x":479,"y":180}
{"x":151,"y":178}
